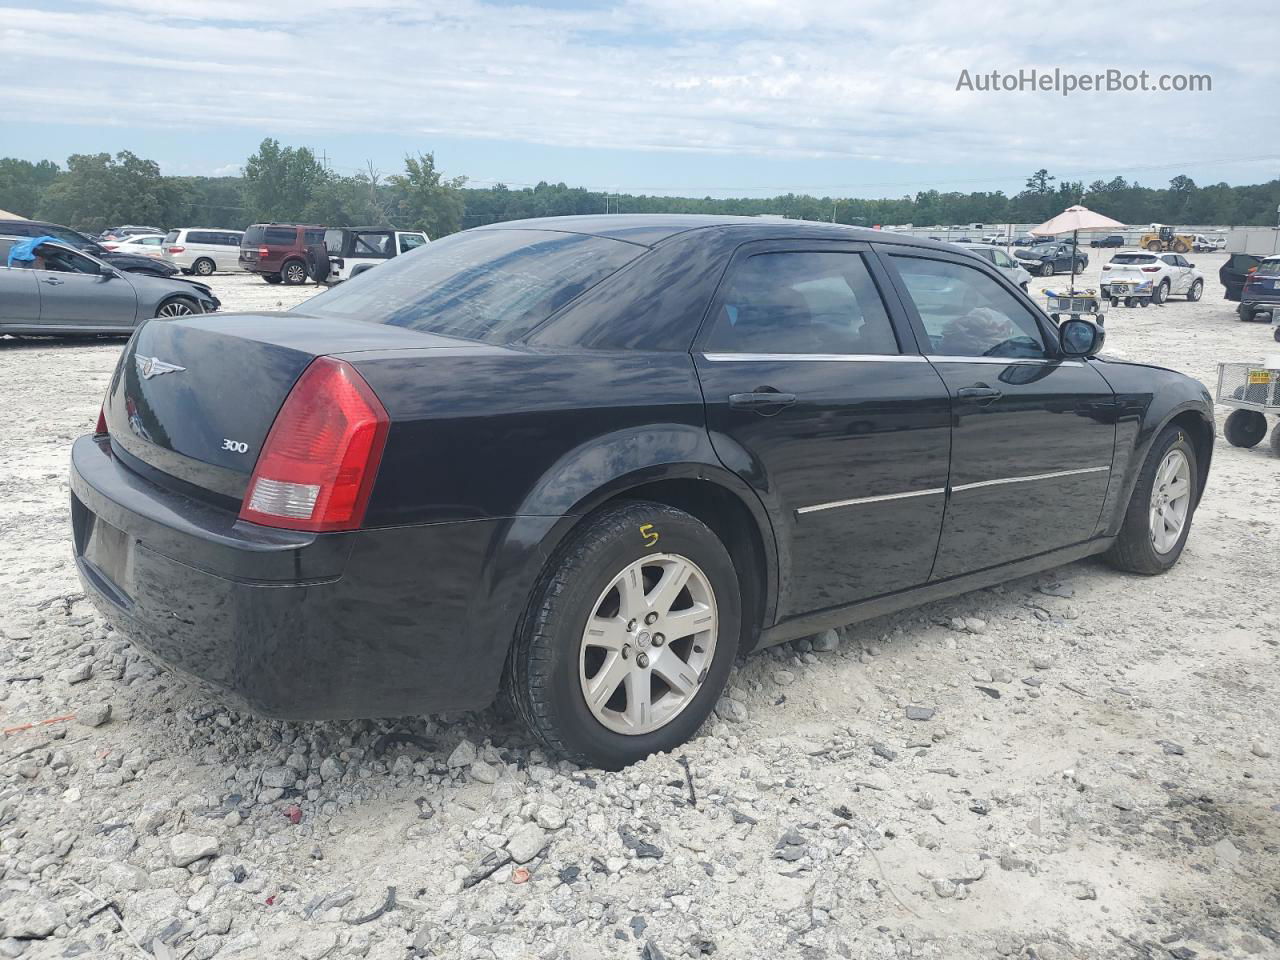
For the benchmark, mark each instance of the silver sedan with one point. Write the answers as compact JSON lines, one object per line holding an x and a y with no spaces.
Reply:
{"x":66,"y":291}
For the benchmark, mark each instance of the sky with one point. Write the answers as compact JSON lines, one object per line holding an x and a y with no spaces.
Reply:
{"x":691,"y":97}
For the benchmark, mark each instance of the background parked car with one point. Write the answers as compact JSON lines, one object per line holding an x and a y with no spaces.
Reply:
{"x":1233,"y":274}
{"x":128,"y":230}
{"x":1168,"y":273}
{"x":1111,"y":240}
{"x":1046,"y":259}
{"x":143,"y":244}
{"x":129,"y":262}
{"x":1261,"y":291}
{"x":77,"y":293}
{"x":203,"y":250}
{"x":1003,"y":262}
{"x":277,"y":251}
{"x":353,"y":250}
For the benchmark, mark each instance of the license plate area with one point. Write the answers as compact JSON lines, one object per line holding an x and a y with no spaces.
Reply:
{"x":110,"y":551}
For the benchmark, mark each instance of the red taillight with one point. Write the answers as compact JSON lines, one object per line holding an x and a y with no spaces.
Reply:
{"x":1150,"y":269}
{"x":317,"y":468}
{"x":101,"y":429}
{"x":177,"y":249}
{"x":262,"y":253}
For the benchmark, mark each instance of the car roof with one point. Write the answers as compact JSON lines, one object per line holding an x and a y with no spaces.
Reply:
{"x":650,"y":229}
{"x":218,"y":229}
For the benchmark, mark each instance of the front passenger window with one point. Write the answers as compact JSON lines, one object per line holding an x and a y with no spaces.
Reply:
{"x":801,"y":303}
{"x":966,"y":313}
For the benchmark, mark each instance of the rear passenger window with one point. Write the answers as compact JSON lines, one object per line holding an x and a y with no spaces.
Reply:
{"x":313,"y":236}
{"x":814,"y":303}
{"x":280,"y":235}
{"x":229,"y":239}
{"x":966,"y":313}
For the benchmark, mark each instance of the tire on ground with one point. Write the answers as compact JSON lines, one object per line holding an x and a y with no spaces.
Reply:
{"x":1133,"y":550}
{"x":542,"y":679}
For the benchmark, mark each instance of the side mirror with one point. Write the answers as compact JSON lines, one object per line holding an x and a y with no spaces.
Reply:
{"x":1190,"y":264}
{"x":1080,"y":338}
{"x":109,"y":273}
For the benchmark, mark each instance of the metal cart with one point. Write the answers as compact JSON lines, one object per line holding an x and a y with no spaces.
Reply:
{"x":1132,"y":294}
{"x":1075,"y":304}
{"x":1254,"y":390}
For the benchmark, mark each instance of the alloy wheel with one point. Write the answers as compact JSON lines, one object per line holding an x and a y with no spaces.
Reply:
{"x":295,"y":273}
{"x":175,"y":308}
{"x":648,"y":644}
{"x":1170,"y":500}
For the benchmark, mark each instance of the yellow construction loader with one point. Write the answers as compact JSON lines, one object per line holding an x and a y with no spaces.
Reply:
{"x":1163,"y":238}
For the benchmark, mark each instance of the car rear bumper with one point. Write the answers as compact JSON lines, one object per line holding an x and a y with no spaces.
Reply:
{"x":292,"y":625}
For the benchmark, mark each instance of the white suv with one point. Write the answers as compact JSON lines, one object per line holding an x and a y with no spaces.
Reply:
{"x":1168,"y":274}
{"x":203,"y":250}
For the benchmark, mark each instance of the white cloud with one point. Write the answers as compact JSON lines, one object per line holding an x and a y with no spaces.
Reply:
{"x":793,"y":79}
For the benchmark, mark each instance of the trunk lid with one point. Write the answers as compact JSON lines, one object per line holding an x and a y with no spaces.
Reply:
{"x":194,"y":398}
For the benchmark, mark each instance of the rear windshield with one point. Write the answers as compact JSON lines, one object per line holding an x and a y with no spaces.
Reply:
{"x":171,"y":236}
{"x":1242,"y":261}
{"x":253,"y":236}
{"x":1269,"y":267}
{"x":490,"y":285}
{"x":1133,"y":258}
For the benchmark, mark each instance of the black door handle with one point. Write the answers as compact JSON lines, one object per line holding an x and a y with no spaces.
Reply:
{"x":763,"y":402}
{"x":981,"y":393}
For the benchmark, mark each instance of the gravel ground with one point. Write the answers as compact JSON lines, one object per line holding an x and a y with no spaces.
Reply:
{"x":1076,"y":765}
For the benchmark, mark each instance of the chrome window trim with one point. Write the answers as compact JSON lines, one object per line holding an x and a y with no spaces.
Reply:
{"x":880,"y":499}
{"x":1003,"y":361}
{"x":840,"y":357}
{"x":1038,"y":476}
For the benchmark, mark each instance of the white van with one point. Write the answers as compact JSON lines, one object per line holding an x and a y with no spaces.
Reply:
{"x":203,"y":250}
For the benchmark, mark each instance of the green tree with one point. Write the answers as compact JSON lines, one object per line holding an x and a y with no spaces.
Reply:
{"x":427,"y":201}
{"x":280,"y":183}
{"x":98,"y":190}
{"x":22,"y":182}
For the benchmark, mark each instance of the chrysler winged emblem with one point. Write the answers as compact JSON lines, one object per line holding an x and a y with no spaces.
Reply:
{"x":149,"y":367}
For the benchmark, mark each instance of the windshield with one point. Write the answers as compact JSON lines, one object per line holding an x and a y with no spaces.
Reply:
{"x":1133,"y":258}
{"x":490,"y":285}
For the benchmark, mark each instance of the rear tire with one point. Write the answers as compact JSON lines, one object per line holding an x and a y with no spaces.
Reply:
{"x":294,"y":273}
{"x":203,"y":267}
{"x":1244,"y":428}
{"x":1135,"y":549}
{"x":1195,"y":292}
{"x":1245,"y":313}
{"x":1160,"y":294}
{"x":1275,"y":439}
{"x":555,"y":660}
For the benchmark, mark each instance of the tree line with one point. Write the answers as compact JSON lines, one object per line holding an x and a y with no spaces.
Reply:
{"x":290,"y":184}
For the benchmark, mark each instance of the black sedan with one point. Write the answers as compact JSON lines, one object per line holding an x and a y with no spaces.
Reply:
{"x":1046,"y":259}
{"x":128,"y":262}
{"x":589,"y":461}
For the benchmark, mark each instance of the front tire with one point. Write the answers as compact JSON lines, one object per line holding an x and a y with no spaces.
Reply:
{"x":1046,"y":270}
{"x":1244,"y":428}
{"x":203,"y":267}
{"x":1158,"y":518}
{"x":629,"y":636}
{"x":177,"y":307}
